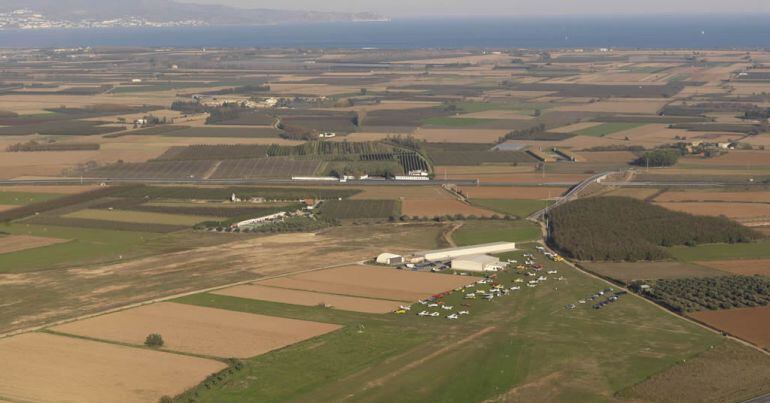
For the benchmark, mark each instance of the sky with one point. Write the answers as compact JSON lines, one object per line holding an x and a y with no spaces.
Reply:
{"x":422,"y":8}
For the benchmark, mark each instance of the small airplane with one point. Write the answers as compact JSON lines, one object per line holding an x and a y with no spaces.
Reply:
{"x":405,"y":308}
{"x":433,"y":305}
{"x":552,"y":272}
{"x":470,"y":296}
{"x":422,"y":302}
{"x":447,"y":307}
{"x":515,"y":288}
{"x":531,"y":285}
{"x":464,"y":312}
{"x":582,"y":301}
{"x":541,"y":278}
{"x":400,"y":312}
{"x":434,"y":314}
{"x":452,"y":316}
{"x":518,"y":280}
{"x":423,"y":313}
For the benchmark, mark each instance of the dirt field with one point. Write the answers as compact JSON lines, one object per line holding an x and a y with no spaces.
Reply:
{"x":309,"y":298}
{"x":734,"y":158}
{"x":636,"y":193}
{"x":512,"y":192}
{"x":430,"y":208}
{"x":742,"y":267}
{"x":751,"y":324}
{"x":753,"y":197}
{"x":459,"y":135}
{"x":373,"y":282}
{"x":732,"y":210}
{"x":403,"y":193}
{"x":48,"y":368}
{"x":575,"y":127}
{"x":620,"y":157}
{"x":14,"y":243}
{"x":63,"y":189}
{"x":199,"y":330}
{"x":628,"y":272}
{"x":618,"y":106}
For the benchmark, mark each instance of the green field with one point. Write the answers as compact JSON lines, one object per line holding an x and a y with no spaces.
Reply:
{"x":455,"y":122}
{"x":140,"y":217}
{"x":524,"y":107}
{"x":518,"y":208}
{"x":341,"y":209}
{"x":476,"y":232}
{"x":722,"y":251}
{"x":86,"y":245}
{"x":606,"y":128}
{"x":521,"y":347}
{"x":22,"y":198}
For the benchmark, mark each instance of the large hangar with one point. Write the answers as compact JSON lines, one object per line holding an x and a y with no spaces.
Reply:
{"x":482,"y":249}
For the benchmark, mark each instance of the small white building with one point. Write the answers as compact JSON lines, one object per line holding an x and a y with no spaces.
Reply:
{"x":477,"y":263}
{"x":390,"y":259}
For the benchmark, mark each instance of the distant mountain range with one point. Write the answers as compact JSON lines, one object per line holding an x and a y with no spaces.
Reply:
{"x":39,"y":14}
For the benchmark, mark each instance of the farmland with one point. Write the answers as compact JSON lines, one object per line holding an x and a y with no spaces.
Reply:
{"x":199,"y":256}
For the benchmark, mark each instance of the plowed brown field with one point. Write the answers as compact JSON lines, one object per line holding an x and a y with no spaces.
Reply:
{"x":199,"y":330}
{"x":373,"y":282}
{"x":751,"y":324}
{"x":310,"y":298}
{"x":39,"y":367}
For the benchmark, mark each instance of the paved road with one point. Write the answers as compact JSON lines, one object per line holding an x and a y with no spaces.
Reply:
{"x":571,"y":195}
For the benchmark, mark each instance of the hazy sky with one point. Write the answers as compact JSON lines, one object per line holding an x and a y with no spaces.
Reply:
{"x":409,"y":8}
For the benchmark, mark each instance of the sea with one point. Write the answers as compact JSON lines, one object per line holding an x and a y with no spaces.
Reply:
{"x":628,"y":32}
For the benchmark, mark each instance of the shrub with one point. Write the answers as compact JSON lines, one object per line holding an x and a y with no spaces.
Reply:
{"x":154,"y":340}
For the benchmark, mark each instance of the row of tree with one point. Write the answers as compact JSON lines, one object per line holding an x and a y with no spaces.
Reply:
{"x":713,"y":293}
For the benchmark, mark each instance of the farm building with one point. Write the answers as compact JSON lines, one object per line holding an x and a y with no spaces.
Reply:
{"x":481,"y":249}
{"x":390,"y":259}
{"x":477,"y":263}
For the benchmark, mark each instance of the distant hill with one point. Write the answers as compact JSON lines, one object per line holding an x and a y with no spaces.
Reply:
{"x":54,"y":13}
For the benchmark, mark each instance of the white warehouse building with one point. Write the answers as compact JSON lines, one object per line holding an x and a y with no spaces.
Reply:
{"x":477,"y":263}
{"x":481,"y":249}
{"x":390,"y":259}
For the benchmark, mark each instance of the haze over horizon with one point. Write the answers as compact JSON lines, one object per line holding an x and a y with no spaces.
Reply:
{"x":478,"y":8}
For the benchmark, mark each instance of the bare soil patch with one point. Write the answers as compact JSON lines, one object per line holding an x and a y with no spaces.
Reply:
{"x":309,"y":298}
{"x":430,"y":208}
{"x":751,"y":324}
{"x":512,"y":192}
{"x":575,"y":127}
{"x":403,"y":193}
{"x":199,"y":330}
{"x":619,"y":157}
{"x":742,"y":267}
{"x":49,"y":368}
{"x":15,"y":243}
{"x":734,"y":158}
{"x":459,"y":135}
{"x":372,"y":282}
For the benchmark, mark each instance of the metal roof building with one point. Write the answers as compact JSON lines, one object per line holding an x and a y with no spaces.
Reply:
{"x":390,"y":259}
{"x":476,"y":263}
{"x":481,"y":249}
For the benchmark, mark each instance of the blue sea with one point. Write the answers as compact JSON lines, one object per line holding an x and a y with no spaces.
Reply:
{"x":660,"y":32}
